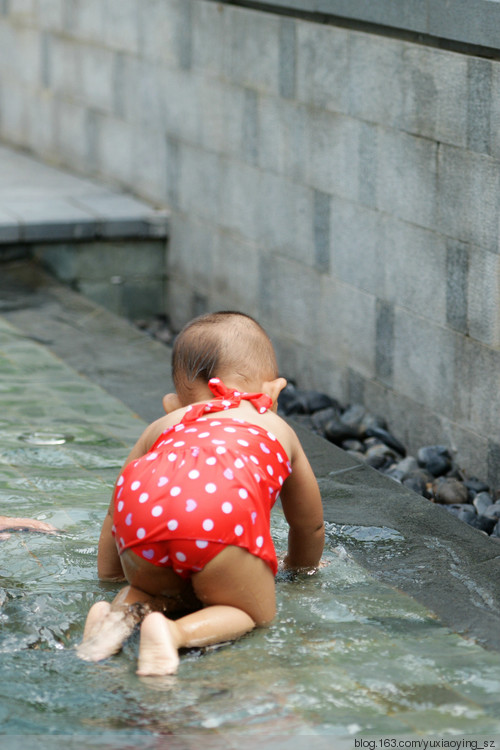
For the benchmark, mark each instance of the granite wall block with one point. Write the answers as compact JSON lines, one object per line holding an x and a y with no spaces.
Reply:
{"x":83,"y":19}
{"x":333,"y":151}
{"x":468,"y":194}
{"x":322,"y":65}
{"x":253,"y":50}
{"x":407,"y":177}
{"x":427,"y":363}
{"x":434,"y":87}
{"x":483,"y":297}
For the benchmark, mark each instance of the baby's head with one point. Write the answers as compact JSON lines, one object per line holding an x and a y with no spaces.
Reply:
{"x":229,"y":345}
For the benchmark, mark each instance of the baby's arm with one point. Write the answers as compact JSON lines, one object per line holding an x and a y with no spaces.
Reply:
{"x":301,"y":502}
{"x":109,"y":567}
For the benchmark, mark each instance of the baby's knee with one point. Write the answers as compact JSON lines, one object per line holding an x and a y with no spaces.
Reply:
{"x":265,"y":615}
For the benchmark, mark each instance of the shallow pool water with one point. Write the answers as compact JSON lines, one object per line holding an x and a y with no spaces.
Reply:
{"x":347,"y":656}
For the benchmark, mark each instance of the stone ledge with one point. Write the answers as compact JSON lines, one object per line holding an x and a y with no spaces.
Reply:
{"x":42,"y":203}
{"x":61,"y":220}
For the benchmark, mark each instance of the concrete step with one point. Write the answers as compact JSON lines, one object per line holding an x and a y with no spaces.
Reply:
{"x":105,"y":243}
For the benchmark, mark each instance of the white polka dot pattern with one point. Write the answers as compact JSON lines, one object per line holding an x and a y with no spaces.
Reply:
{"x":215,"y":485}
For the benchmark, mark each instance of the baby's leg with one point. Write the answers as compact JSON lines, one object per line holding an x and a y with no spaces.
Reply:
{"x":238,"y":592}
{"x":152,"y":589}
{"x":161,"y":639}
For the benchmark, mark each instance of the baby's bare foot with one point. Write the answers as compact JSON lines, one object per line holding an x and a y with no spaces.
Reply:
{"x":158,"y":653}
{"x":105,"y":635}
{"x":95,"y":618}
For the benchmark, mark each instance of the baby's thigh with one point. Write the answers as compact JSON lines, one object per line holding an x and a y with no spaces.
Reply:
{"x":237,"y":578}
{"x":153,"y":579}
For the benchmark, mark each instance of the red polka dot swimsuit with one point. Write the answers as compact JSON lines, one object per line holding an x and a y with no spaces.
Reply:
{"x":205,"y":484}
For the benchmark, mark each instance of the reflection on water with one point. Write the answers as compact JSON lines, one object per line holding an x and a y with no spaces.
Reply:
{"x":46,"y":438}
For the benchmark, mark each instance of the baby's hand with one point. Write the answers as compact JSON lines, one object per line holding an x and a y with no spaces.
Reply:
{"x":284,"y":566}
{"x":24,"y":524}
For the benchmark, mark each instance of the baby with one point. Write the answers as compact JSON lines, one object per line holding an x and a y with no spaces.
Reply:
{"x":189,"y":522}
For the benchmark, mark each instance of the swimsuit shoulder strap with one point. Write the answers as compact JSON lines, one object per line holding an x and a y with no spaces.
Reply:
{"x":226,"y":398}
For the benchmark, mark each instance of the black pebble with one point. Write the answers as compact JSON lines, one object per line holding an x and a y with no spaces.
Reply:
{"x":435,"y":458}
{"x":493,"y":511}
{"x":466,"y":512}
{"x":386,"y":438}
{"x":418,"y":481}
{"x":372,"y":420}
{"x":482,"y":501}
{"x":463,"y":511}
{"x":379,"y":462}
{"x":353,"y":445}
{"x":353,"y":416}
{"x":483,"y":524}
{"x":475,"y":485}
{"x":297,"y":401}
{"x":321,"y":418}
{"x":336,"y":431}
{"x":448,"y":490}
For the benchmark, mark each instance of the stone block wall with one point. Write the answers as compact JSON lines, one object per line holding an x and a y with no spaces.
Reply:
{"x":341,"y":186}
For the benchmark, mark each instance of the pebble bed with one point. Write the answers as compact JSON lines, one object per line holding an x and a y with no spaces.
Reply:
{"x":432,"y":473}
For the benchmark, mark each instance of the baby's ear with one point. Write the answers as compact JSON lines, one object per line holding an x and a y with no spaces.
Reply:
{"x":171,"y":402}
{"x":273,"y":388}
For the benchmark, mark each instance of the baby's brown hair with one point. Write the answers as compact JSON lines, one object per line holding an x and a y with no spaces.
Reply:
{"x":222,"y":343}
